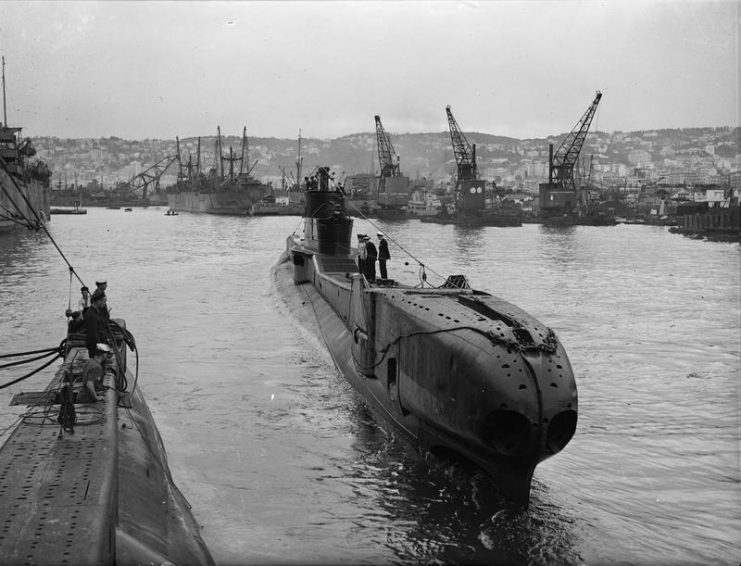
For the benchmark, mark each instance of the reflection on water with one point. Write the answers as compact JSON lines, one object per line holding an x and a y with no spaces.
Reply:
{"x":283,"y":464}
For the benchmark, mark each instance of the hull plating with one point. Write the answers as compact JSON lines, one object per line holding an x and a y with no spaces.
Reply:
{"x":14,"y":207}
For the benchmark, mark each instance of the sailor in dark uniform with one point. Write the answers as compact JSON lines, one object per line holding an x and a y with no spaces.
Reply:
{"x":383,"y":255}
{"x":96,"y":322}
{"x":370,"y":259}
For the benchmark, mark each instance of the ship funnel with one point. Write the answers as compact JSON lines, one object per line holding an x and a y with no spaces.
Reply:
{"x":327,"y":227}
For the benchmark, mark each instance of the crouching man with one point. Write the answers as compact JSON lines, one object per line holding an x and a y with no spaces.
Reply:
{"x":92,"y":373}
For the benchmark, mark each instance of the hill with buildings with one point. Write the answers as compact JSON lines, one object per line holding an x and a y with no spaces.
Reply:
{"x":612,"y":160}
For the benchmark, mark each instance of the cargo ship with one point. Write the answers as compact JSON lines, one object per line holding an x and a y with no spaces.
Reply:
{"x":227,"y":188}
{"x":24,"y":185}
{"x":86,"y":481}
{"x":456,"y":371}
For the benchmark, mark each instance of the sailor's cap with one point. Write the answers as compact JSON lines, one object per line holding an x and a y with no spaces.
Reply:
{"x":379,"y":234}
{"x":101,"y":282}
{"x":105,"y":348}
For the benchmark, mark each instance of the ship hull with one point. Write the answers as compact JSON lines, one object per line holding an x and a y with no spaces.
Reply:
{"x":277,"y":210}
{"x":230,"y":202}
{"x":438,"y":386}
{"x":470,"y":220}
{"x":14,"y":208}
{"x":575,"y":220}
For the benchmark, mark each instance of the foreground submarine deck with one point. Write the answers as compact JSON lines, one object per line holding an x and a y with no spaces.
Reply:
{"x":102,"y":494}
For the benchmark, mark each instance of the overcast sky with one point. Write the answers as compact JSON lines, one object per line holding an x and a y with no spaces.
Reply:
{"x":516,"y":68}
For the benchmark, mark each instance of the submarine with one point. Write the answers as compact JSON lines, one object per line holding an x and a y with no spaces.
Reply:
{"x":87,"y":483}
{"x":455,"y":371}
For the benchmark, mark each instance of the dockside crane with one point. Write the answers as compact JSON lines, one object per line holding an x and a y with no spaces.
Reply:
{"x":560,"y":195}
{"x":561,"y":165}
{"x":148,"y":178}
{"x":387,"y":157}
{"x":393,"y":187}
{"x":470,"y":193}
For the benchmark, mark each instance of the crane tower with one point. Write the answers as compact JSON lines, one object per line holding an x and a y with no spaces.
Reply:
{"x":559,"y":195}
{"x":393,"y":188}
{"x":470,"y":191}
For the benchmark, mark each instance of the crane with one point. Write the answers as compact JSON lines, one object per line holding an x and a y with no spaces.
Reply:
{"x":145,"y":179}
{"x":387,"y":157}
{"x":393,"y":187}
{"x":465,"y":155}
{"x":470,"y":193}
{"x":561,"y":166}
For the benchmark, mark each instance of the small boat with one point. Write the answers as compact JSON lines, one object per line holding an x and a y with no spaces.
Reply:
{"x":128,"y":209}
{"x":456,"y":371}
{"x":67,"y":210}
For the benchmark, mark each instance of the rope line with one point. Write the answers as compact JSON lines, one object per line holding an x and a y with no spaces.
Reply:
{"x":55,"y":349}
{"x":38,"y":220}
{"x":397,"y":244}
{"x":34,"y":372}
{"x":29,"y":360}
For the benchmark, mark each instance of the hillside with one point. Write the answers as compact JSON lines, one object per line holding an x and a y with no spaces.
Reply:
{"x":697,"y":151}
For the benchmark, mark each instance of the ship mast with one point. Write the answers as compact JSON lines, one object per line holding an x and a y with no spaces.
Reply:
{"x":299,"y":161}
{"x":218,"y":148}
{"x":244,"y":145}
{"x":5,"y":110}
{"x":198,"y":159}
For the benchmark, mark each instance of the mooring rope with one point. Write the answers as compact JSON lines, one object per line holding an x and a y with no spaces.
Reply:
{"x":38,"y":220}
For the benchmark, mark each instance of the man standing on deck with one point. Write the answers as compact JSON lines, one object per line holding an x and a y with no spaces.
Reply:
{"x":361,"y":254}
{"x":96,"y":322}
{"x":102,"y":286}
{"x":383,"y":255}
{"x":370,"y":262}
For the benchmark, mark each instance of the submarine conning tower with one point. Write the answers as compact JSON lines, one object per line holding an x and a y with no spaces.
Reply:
{"x":327,"y":227}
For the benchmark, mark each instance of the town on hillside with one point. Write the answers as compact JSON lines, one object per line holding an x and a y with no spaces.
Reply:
{"x":647,"y":172}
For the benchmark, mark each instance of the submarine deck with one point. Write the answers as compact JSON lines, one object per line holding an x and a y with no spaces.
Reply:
{"x":55,"y":488}
{"x":102,"y":494}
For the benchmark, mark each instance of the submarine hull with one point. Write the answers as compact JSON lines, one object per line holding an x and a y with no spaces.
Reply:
{"x":445,"y":368}
{"x":99,"y":492}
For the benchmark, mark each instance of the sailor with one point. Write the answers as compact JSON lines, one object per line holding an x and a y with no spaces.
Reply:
{"x":84,"y":302}
{"x":92,"y":372}
{"x":361,"y":253}
{"x":370,"y":261}
{"x":383,"y":254}
{"x":102,"y":286}
{"x":96,"y":322}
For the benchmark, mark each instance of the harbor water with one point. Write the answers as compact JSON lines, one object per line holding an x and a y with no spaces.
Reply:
{"x":283,"y":464}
